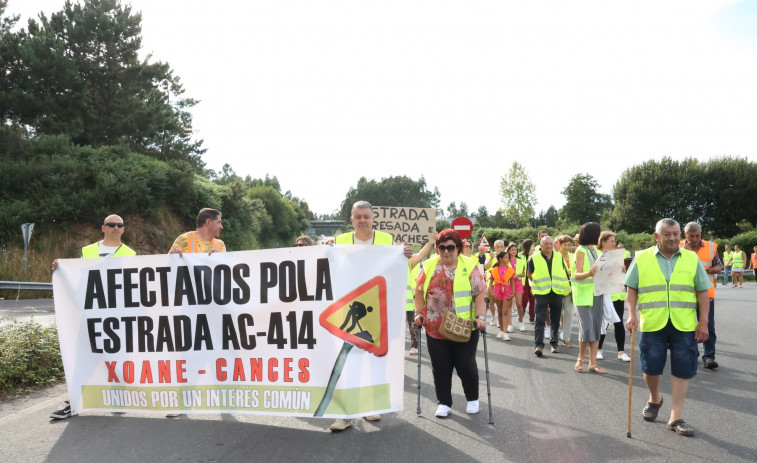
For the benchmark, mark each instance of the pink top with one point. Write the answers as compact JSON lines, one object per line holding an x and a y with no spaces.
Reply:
{"x":441,"y":297}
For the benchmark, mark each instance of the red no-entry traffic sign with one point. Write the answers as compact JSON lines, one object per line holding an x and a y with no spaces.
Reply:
{"x":463,"y":226}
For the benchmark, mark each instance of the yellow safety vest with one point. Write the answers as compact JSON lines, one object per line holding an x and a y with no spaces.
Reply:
{"x":93,"y":250}
{"x":583,"y":290}
{"x":542,"y":282}
{"x":738,"y":259}
{"x":379,"y":238}
{"x":660,"y":299}
{"x":726,"y":256}
{"x":411,"y":277}
{"x":461,"y":286}
{"x":520,"y":267}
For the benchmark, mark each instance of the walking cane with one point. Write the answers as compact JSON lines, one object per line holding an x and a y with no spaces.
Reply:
{"x":420,"y":342}
{"x":630,"y":386}
{"x":486,"y":363}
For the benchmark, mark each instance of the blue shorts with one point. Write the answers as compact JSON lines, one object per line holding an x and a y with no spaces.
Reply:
{"x":684,"y":352}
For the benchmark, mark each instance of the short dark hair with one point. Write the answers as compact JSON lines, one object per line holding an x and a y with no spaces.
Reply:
{"x":450,"y":234}
{"x":589,"y":233}
{"x":205,"y":214}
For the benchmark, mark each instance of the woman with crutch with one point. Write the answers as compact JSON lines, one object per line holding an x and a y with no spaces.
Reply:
{"x":451,"y":282}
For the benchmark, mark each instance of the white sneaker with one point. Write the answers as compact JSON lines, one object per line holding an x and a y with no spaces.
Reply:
{"x":442,"y":411}
{"x":493,"y":322}
{"x":522,"y":327}
{"x":600,"y":356}
{"x":547,"y":332}
{"x":501,"y":335}
{"x":340,"y":425}
{"x":506,"y":337}
{"x":624,"y":357}
{"x":413,"y":351}
{"x":509,"y":328}
{"x":472,"y":407}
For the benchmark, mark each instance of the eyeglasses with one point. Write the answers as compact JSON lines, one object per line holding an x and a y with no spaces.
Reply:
{"x":466,"y":245}
{"x":114,"y":225}
{"x":448,"y":248}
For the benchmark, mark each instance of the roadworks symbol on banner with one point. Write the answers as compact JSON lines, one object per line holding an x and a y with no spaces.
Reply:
{"x":359,"y":317}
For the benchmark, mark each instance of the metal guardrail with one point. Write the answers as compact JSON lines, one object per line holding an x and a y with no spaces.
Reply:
{"x":26,"y":285}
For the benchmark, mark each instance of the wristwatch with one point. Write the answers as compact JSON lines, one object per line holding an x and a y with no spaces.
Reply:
{"x":481,"y":317}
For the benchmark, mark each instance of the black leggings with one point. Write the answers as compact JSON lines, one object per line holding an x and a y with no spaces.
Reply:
{"x":620,"y":329}
{"x":447,"y":355}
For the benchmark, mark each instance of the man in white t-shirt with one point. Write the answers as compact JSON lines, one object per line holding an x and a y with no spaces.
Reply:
{"x":111,"y":245}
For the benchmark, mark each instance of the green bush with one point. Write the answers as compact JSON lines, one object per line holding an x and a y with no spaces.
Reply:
{"x":29,"y":357}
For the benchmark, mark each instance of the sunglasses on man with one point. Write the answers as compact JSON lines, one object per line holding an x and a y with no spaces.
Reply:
{"x":114,"y":225}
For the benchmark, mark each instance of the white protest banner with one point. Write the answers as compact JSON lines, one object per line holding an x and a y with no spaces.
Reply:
{"x":414,"y":225}
{"x":308,"y":331}
{"x":609,"y":277}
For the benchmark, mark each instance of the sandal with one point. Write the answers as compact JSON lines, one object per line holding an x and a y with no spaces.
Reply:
{"x":650,"y":411}
{"x":568,"y":344}
{"x":681,"y":428}
{"x":579,"y":367}
{"x":597,"y":369}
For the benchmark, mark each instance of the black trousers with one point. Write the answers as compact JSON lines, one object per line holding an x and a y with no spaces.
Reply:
{"x":447,"y":355}
{"x":554,"y":302}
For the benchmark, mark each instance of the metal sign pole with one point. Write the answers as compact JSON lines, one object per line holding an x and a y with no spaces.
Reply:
{"x":26,"y":231}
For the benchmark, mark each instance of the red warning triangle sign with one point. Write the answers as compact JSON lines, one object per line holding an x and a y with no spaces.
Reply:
{"x":359,"y":317}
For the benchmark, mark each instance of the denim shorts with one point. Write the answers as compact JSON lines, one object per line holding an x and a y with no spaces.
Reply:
{"x":684,"y":352}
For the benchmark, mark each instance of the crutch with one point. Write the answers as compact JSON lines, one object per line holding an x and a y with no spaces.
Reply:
{"x":486,"y":364}
{"x":630,"y":385}
{"x":420,"y":342}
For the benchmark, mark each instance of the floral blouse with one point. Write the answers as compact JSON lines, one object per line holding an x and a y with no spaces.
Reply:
{"x":441,"y":296}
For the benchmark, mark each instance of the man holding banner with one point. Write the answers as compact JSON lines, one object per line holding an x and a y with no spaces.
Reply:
{"x":362,"y":220}
{"x":111,"y":245}
{"x":205,"y":238}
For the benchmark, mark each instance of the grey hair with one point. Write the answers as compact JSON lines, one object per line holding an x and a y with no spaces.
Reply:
{"x":500,"y":242}
{"x":362,"y":205}
{"x":667,"y":223}
{"x":692,"y":227}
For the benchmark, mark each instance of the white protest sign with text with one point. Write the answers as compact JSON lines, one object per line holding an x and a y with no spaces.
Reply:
{"x":253,"y":332}
{"x":414,"y":225}
{"x":609,"y":277}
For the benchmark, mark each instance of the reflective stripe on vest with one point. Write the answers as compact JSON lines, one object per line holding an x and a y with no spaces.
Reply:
{"x":411,"y":278}
{"x":706,"y":253}
{"x":192,"y":244}
{"x":583,"y":290}
{"x":660,"y":299}
{"x":93,"y":250}
{"x":542,"y":282}
{"x":461,"y":286}
{"x":379,"y":238}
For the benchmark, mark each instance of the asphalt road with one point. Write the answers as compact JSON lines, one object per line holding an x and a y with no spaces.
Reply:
{"x":542,"y":409}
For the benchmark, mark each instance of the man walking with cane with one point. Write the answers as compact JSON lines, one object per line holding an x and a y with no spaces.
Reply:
{"x":667,"y":283}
